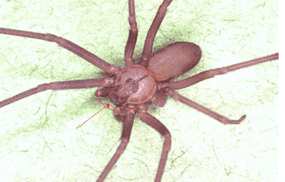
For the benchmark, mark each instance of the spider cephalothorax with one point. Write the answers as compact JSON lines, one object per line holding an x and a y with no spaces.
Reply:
{"x":132,"y":86}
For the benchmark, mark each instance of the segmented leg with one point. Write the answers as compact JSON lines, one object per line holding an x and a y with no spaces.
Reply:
{"x":74,"y":84}
{"x":88,"y":56}
{"x":126,"y":133}
{"x":160,"y":128}
{"x":219,"y":71}
{"x":133,"y":34}
{"x":147,"y":50}
{"x":201,"y":108}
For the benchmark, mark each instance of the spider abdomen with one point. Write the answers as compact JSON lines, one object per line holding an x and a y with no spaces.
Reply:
{"x":174,"y":60}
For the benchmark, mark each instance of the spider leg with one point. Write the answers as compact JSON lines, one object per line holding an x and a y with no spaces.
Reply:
{"x":74,"y":84}
{"x":201,"y":108}
{"x":147,"y":50}
{"x":126,"y":133}
{"x":88,"y":56}
{"x":219,"y":71}
{"x":104,"y":92}
{"x":159,"y":127}
{"x":159,"y":98}
{"x":133,"y":34}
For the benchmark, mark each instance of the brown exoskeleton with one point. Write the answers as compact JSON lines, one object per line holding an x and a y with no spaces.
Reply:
{"x":127,"y":90}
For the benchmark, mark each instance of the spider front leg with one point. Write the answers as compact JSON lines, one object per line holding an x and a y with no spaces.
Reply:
{"x":126,"y":133}
{"x":74,"y":84}
{"x":160,"y":128}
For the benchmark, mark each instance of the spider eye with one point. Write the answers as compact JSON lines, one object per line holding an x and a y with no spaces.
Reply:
{"x":122,"y":99}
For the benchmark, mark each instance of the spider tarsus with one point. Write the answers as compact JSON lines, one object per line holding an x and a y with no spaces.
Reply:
{"x":236,"y":121}
{"x":242,"y":118}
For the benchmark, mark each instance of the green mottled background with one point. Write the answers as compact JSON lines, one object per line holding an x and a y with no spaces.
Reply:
{"x":39,"y":141}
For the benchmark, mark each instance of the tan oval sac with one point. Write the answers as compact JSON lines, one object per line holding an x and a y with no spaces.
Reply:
{"x":174,"y":60}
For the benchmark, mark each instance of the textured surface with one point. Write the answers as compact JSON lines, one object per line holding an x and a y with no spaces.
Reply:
{"x":39,"y":141}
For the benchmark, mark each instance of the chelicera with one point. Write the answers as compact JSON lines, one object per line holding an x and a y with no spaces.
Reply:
{"x":132,"y":89}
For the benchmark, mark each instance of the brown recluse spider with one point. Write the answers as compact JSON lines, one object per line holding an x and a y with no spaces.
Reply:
{"x":124,"y":88}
